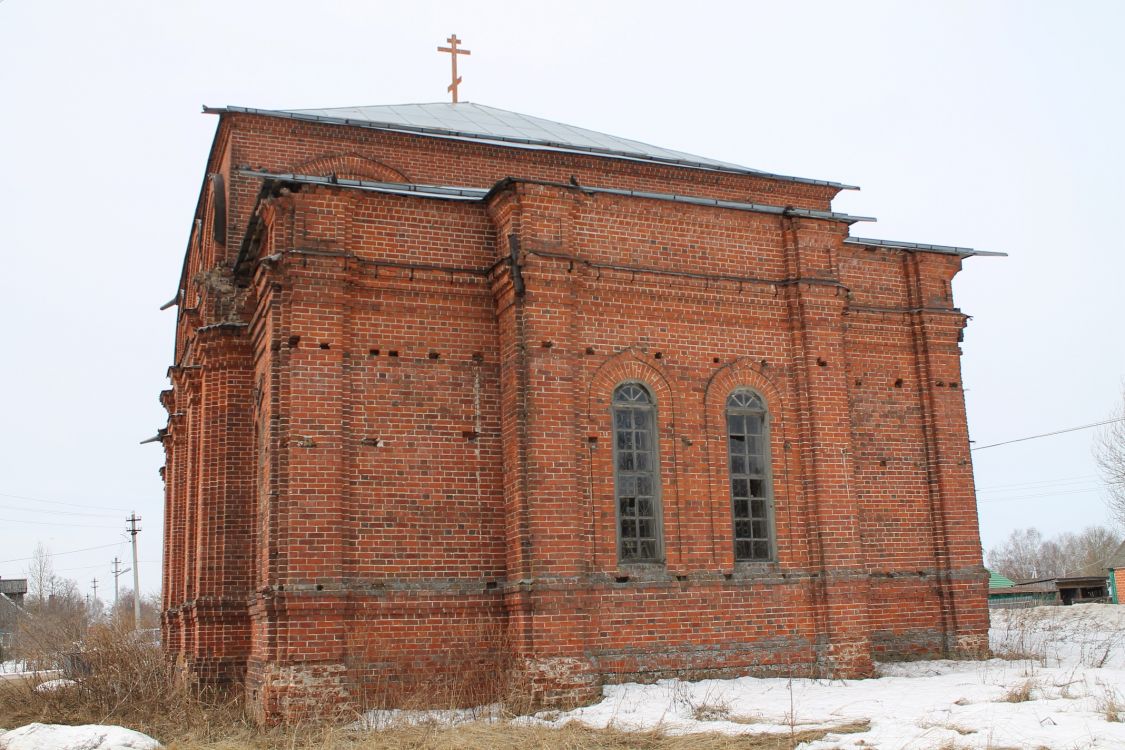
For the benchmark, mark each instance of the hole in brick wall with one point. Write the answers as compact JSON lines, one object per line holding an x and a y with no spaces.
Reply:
{"x":821,"y":362}
{"x":434,"y":355}
{"x":592,"y":439}
{"x":898,"y":383}
{"x":275,"y":346}
{"x":883,"y":462}
{"x":589,"y":350}
{"x":621,"y":579}
{"x":728,"y":576}
{"x":392,"y":353}
{"x":470,"y":434}
{"x":294,"y":340}
{"x":373,"y":352}
{"x":941,"y":384}
{"x":320,"y":587}
{"x":859,"y":381}
{"x":715,"y":360}
{"x":478,"y":357}
{"x":765,"y":363}
{"x":953,"y":384}
{"x":681,"y":578}
{"x":325,"y":345}
{"x":491,"y":585}
{"x":547,"y":344}
{"x":659,"y":355}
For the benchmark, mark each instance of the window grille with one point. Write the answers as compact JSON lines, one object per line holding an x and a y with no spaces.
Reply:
{"x":635,"y":474}
{"x":751,"y":494}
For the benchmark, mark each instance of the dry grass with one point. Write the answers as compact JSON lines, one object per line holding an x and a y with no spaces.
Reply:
{"x":1109,"y":703}
{"x":1023,"y":692}
{"x":127,"y":682}
{"x":119,"y":680}
{"x":506,"y":736}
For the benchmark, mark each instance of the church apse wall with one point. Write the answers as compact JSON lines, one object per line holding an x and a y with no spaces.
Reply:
{"x":543,"y":436}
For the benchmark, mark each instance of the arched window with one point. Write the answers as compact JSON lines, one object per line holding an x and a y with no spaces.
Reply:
{"x":636,"y":479}
{"x":750,"y":491}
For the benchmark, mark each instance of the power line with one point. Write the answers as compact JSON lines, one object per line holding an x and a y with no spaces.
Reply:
{"x":1035,"y":482}
{"x":56,"y":554}
{"x":56,"y":523}
{"x":1048,"y":434}
{"x":55,"y":512}
{"x":59,"y":502}
{"x":1032,"y":497}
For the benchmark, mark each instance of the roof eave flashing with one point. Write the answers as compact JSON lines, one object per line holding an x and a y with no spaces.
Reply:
{"x":919,"y":247}
{"x":517,"y":143}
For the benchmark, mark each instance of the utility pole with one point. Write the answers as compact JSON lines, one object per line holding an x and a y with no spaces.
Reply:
{"x":133,"y":519}
{"x":118,"y":571}
{"x":95,"y":588}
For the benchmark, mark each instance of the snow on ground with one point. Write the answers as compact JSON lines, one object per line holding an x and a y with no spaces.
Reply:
{"x":84,"y":737}
{"x":1060,"y":685}
{"x":12,"y":667}
{"x":1069,"y":677}
{"x":51,"y":686}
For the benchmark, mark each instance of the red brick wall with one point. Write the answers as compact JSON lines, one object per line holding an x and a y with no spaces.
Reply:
{"x":390,"y":466}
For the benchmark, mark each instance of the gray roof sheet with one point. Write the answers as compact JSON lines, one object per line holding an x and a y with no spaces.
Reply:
{"x":469,"y":193}
{"x":477,"y":122}
{"x":964,"y":252}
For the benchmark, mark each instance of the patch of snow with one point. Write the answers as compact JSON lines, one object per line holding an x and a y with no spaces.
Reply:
{"x":1061,"y":684}
{"x":51,"y":686}
{"x":84,"y":737}
{"x":445,"y":717}
{"x":13,"y":667}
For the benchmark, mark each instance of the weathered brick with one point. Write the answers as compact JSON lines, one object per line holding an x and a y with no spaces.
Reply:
{"x":389,"y":461}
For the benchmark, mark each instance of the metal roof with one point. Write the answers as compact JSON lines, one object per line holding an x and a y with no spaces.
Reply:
{"x":964,"y":252}
{"x":468,"y":193}
{"x":997,"y":581}
{"x":477,"y":122}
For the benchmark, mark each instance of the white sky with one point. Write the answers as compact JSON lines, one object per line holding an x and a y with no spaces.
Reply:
{"x":995,"y":125}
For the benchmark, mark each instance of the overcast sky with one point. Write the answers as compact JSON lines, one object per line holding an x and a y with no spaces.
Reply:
{"x":994,"y":125}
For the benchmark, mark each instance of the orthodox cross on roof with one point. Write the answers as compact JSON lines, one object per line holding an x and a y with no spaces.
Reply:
{"x":453,"y":51}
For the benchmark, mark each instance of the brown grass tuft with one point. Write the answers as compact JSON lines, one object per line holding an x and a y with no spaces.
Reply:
{"x":120,"y":679}
{"x":126,"y":681}
{"x":1021,"y":693}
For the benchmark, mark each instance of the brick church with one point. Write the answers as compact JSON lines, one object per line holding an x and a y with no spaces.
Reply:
{"x":464,"y":399}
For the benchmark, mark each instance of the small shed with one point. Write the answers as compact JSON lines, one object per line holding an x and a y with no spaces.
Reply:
{"x":997,"y":581}
{"x":14,"y":589}
{"x":1082,"y":589}
{"x":1032,"y":594}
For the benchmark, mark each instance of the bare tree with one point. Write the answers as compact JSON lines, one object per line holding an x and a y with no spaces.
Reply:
{"x":57,"y":615}
{"x":1027,"y":556}
{"x":1020,"y":556}
{"x":1109,"y":452}
{"x":150,"y":610}
{"x":41,"y":579}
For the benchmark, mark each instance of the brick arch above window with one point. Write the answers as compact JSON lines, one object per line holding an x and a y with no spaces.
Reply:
{"x":742,"y":373}
{"x":623,"y":367}
{"x":351,"y":167}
